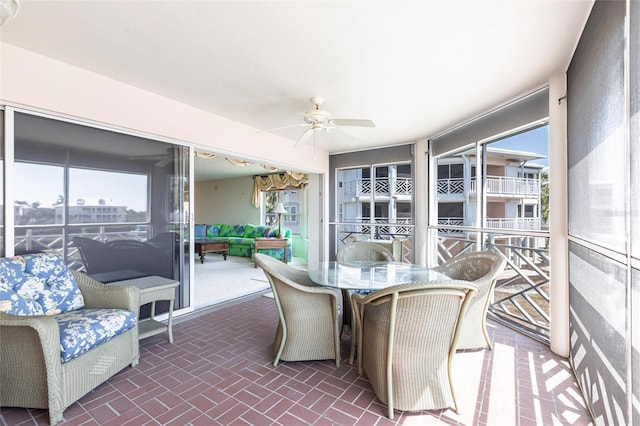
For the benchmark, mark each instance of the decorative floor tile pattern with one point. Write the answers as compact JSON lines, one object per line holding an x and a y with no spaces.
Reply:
{"x":218,"y":371}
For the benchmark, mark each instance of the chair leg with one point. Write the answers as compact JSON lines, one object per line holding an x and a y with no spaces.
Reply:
{"x":354,"y":326}
{"x":54,"y":418}
{"x":352,"y":354}
{"x":282,"y":330}
{"x":486,"y":333}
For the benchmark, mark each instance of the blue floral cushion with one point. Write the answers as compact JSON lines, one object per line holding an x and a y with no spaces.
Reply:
{"x":267,"y":231}
{"x":251,"y":231}
{"x":37,"y":284}
{"x":232,"y":231}
{"x":213,"y":230}
{"x":83,"y":329}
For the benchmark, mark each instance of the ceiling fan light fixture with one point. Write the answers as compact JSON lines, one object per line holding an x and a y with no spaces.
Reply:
{"x":320,"y":120}
{"x":8,"y":10}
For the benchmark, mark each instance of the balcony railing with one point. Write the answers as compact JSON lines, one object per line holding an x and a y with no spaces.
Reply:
{"x":382,"y":187}
{"x":508,"y":187}
{"x":381,"y":227}
{"x":381,"y":230}
{"x":521,"y":297}
{"x":528,"y":223}
{"x":517,"y":223}
{"x":450,"y":186}
{"x":51,"y":238}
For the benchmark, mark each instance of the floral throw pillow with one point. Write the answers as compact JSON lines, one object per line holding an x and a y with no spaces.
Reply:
{"x":37,"y":284}
{"x":17,"y":296}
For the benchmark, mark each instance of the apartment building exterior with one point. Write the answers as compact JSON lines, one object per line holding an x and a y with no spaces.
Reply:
{"x":512,"y":188}
{"x":382,"y":196}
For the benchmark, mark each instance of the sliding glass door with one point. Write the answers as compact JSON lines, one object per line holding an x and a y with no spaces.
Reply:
{"x":109,"y":203}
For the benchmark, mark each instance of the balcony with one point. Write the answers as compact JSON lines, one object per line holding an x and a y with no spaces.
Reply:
{"x":218,"y":372}
{"x":381,"y":228}
{"x":516,"y":223}
{"x":496,"y":186}
{"x":508,"y":187}
{"x":398,"y":187}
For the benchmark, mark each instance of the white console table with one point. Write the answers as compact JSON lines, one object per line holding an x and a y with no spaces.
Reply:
{"x":152,"y":289}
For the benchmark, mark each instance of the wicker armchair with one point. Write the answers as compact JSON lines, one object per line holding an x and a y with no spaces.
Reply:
{"x":482,"y":268}
{"x":359,"y":250}
{"x":309,"y":315}
{"x":363,"y":250}
{"x":32,"y":374}
{"x":408,"y":341}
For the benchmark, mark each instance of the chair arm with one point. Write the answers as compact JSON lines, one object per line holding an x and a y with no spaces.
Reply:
{"x":99,"y":295}
{"x":46,"y":327}
{"x":21,"y":347}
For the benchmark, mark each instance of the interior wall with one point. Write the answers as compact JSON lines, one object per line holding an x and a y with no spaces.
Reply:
{"x":225,"y":201}
{"x":601,"y":178}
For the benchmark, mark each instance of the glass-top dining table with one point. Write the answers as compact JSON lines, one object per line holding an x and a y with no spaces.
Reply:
{"x":370,"y":275}
{"x":366,"y":276}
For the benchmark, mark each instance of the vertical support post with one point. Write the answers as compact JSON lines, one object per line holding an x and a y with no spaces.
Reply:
{"x":558,"y":219}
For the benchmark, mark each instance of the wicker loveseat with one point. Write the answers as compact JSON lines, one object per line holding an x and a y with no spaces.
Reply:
{"x":62,"y":333}
{"x":241,"y":238}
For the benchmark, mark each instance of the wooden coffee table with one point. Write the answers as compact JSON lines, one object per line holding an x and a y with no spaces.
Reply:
{"x":203,"y":246}
{"x":270,"y":243}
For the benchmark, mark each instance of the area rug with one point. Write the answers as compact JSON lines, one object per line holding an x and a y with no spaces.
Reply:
{"x":217,"y":280}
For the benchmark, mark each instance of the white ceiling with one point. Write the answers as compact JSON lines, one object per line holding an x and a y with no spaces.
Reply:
{"x":415,"y":68}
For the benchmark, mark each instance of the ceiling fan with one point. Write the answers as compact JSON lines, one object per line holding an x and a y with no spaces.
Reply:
{"x":160,"y":160}
{"x":318,"y":120}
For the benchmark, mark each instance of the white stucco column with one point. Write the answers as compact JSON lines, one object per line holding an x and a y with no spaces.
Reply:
{"x":421,"y":201}
{"x":558,"y":215}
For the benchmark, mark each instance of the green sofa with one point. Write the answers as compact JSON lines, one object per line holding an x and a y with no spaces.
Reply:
{"x":241,"y":238}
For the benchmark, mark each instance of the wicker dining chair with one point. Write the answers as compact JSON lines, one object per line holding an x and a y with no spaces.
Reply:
{"x":363,"y":250}
{"x":359,"y":250}
{"x":309,"y":315}
{"x":408,"y":341}
{"x":481,"y":268}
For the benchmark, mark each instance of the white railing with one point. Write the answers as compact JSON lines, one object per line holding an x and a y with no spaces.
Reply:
{"x":451,"y":221}
{"x":528,"y":223}
{"x":52,"y":238}
{"x":509,"y":187}
{"x":381,"y":229}
{"x":450,"y":186}
{"x":362,"y":187}
{"x":517,"y":223}
{"x":521,"y":296}
{"x":403,"y":186}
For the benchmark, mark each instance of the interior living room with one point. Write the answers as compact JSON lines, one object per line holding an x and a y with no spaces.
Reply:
{"x":131,"y":131}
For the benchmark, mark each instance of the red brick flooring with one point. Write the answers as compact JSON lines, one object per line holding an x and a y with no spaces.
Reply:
{"x":219,"y":372}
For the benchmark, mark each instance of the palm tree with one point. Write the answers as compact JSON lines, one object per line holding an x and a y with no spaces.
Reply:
{"x":544,"y":195}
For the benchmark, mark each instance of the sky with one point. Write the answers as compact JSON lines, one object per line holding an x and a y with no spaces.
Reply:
{"x":532,"y":141}
{"x":45,"y":183}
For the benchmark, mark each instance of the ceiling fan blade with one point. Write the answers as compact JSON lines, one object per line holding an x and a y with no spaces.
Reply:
{"x":164,"y":162}
{"x":303,"y":138}
{"x":150,"y":157}
{"x":353,"y":122}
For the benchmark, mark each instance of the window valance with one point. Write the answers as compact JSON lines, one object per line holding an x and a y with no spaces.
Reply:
{"x":277,"y":181}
